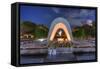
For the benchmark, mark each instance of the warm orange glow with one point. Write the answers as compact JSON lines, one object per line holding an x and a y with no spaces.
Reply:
{"x":60,"y":39}
{"x":60,"y":26}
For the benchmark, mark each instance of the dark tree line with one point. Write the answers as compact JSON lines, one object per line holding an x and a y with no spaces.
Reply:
{"x":85,"y":31}
{"x":39,"y":31}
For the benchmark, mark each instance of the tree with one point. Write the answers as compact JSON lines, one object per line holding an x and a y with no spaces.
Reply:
{"x":39,"y":31}
{"x":80,"y":33}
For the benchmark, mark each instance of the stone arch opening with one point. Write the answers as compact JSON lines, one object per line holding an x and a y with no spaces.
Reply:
{"x":63,"y":24}
{"x":60,"y":35}
{"x":56,"y":28}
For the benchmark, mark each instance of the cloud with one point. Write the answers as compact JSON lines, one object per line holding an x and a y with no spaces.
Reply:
{"x":56,"y":10}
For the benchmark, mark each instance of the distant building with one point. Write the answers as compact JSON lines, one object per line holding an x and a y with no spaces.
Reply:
{"x":26,"y":36}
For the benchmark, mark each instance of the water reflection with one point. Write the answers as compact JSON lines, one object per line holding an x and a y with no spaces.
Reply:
{"x":57,"y":58}
{"x":40,"y":54}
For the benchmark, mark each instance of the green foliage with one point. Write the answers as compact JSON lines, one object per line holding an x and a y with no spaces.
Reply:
{"x":27,"y":27}
{"x":84,"y":31}
{"x":39,"y":31}
{"x":80,"y":33}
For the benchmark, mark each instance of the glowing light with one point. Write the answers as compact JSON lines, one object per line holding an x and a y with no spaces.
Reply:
{"x":60,"y":39}
{"x":41,"y":40}
{"x":89,"y":22}
{"x":60,"y":32}
{"x":60,"y":26}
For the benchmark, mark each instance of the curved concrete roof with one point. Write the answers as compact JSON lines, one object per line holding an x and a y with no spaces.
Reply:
{"x":60,"y":20}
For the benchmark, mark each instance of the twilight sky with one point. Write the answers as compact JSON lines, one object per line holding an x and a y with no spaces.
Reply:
{"x":45,"y":15}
